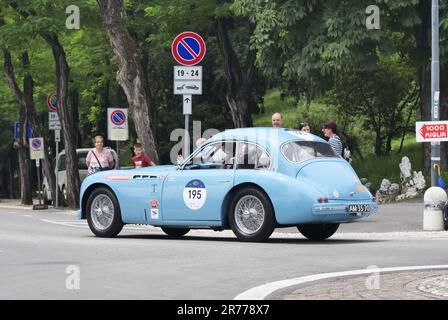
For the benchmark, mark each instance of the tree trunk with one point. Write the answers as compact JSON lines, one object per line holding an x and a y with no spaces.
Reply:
{"x":424,"y":74}
{"x":68,"y":128}
{"x":23,"y":147}
{"x":47,"y":163}
{"x":131,"y":75}
{"x":25,"y":176}
{"x":6,"y":192}
{"x":26,"y":196}
{"x":104,"y":102}
{"x":378,"y":142}
{"x":425,"y":111}
{"x":240,"y":111}
{"x":389,"y":143}
{"x":238,"y":80}
{"x":74,"y":101}
{"x":25,"y":99}
{"x":62,"y":76}
{"x":11,"y":177}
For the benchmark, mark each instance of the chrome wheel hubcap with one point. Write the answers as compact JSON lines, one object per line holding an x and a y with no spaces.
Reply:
{"x":102,"y":212}
{"x":249,"y":214}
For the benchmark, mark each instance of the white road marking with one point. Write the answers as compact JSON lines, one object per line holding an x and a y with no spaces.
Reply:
{"x":27,"y":216}
{"x":263,"y":291}
{"x":83,"y":224}
{"x":62,"y":223}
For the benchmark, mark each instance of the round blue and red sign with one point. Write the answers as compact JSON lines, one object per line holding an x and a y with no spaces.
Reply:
{"x":52,"y":102}
{"x":36,"y":143}
{"x":118,"y":117}
{"x":188,"y":48}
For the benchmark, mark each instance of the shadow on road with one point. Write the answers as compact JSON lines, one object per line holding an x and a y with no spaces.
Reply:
{"x":300,"y":241}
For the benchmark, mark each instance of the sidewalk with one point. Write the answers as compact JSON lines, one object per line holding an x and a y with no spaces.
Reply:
{"x":411,"y":285}
{"x":14,"y":204}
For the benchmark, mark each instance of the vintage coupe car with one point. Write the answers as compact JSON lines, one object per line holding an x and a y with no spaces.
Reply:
{"x":250,"y":180}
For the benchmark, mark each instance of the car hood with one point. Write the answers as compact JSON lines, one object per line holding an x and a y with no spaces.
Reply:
{"x":335,"y":179}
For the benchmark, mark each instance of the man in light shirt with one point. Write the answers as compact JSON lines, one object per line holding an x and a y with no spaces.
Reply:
{"x":277,"y":120}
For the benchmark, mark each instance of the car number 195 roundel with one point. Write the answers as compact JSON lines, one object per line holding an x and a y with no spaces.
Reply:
{"x":195,"y":194}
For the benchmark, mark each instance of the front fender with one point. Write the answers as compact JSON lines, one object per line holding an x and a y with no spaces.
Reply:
{"x":94,"y":181}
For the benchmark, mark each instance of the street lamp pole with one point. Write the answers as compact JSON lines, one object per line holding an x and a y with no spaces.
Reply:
{"x":435,"y":86}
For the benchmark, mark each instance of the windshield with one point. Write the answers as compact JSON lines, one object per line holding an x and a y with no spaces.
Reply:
{"x":299,"y":151}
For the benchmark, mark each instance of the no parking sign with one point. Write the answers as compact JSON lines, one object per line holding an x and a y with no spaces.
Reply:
{"x":117,"y":124}
{"x":52,"y":102}
{"x":36,"y":148}
{"x":188,"y":48}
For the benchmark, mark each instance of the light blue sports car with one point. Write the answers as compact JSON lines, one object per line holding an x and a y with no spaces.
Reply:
{"x":249,"y":180}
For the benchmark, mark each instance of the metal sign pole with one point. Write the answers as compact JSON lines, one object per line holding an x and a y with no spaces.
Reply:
{"x":37,"y":153}
{"x":38,"y":181}
{"x":118,"y":156}
{"x":187,"y":138}
{"x":187,"y":110}
{"x":435,"y":87}
{"x":56,"y":203}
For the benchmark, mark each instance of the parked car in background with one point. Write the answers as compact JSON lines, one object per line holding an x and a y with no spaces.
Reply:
{"x":62,"y":173}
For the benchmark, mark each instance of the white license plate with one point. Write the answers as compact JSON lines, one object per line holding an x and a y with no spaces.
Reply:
{"x":355,"y":208}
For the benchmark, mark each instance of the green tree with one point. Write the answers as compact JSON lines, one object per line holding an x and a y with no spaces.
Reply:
{"x":379,"y":97}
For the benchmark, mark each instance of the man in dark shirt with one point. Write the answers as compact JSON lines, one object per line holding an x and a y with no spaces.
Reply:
{"x":141,"y":160}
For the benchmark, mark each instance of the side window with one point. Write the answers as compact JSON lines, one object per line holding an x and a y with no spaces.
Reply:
{"x":82,"y":161}
{"x":218,"y":155}
{"x":62,"y":162}
{"x":251,"y":156}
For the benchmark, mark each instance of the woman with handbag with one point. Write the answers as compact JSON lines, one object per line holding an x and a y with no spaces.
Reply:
{"x":99,"y":158}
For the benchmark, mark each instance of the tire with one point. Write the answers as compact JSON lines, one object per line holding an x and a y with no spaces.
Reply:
{"x":175,"y":232}
{"x":243,"y":222}
{"x":45,"y":196}
{"x":318,"y":231}
{"x":106,"y":221}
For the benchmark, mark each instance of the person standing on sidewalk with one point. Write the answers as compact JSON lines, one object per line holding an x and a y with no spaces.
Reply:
{"x":99,"y":158}
{"x":141,"y":159}
{"x":330,"y":131}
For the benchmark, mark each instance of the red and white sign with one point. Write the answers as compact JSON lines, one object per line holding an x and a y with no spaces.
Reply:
{"x":427,"y":131}
{"x":117,"y":124}
{"x":52,"y":102}
{"x":188,"y":48}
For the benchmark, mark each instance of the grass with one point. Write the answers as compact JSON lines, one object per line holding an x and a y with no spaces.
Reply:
{"x":375,"y":169}
{"x":274,"y":103}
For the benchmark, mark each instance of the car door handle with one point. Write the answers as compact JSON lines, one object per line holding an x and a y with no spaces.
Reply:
{"x":224,"y":181}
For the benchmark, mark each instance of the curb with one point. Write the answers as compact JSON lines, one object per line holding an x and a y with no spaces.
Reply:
{"x":266,"y":290}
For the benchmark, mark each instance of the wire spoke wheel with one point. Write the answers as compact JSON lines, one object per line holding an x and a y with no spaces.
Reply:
{"x":102,"y":212}
{"x":249,"y":214}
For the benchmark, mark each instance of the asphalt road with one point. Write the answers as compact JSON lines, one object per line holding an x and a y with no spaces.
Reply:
{"x":37,"y":247}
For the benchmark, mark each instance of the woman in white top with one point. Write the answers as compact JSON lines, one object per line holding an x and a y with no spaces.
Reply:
{"x":99,"y":158}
